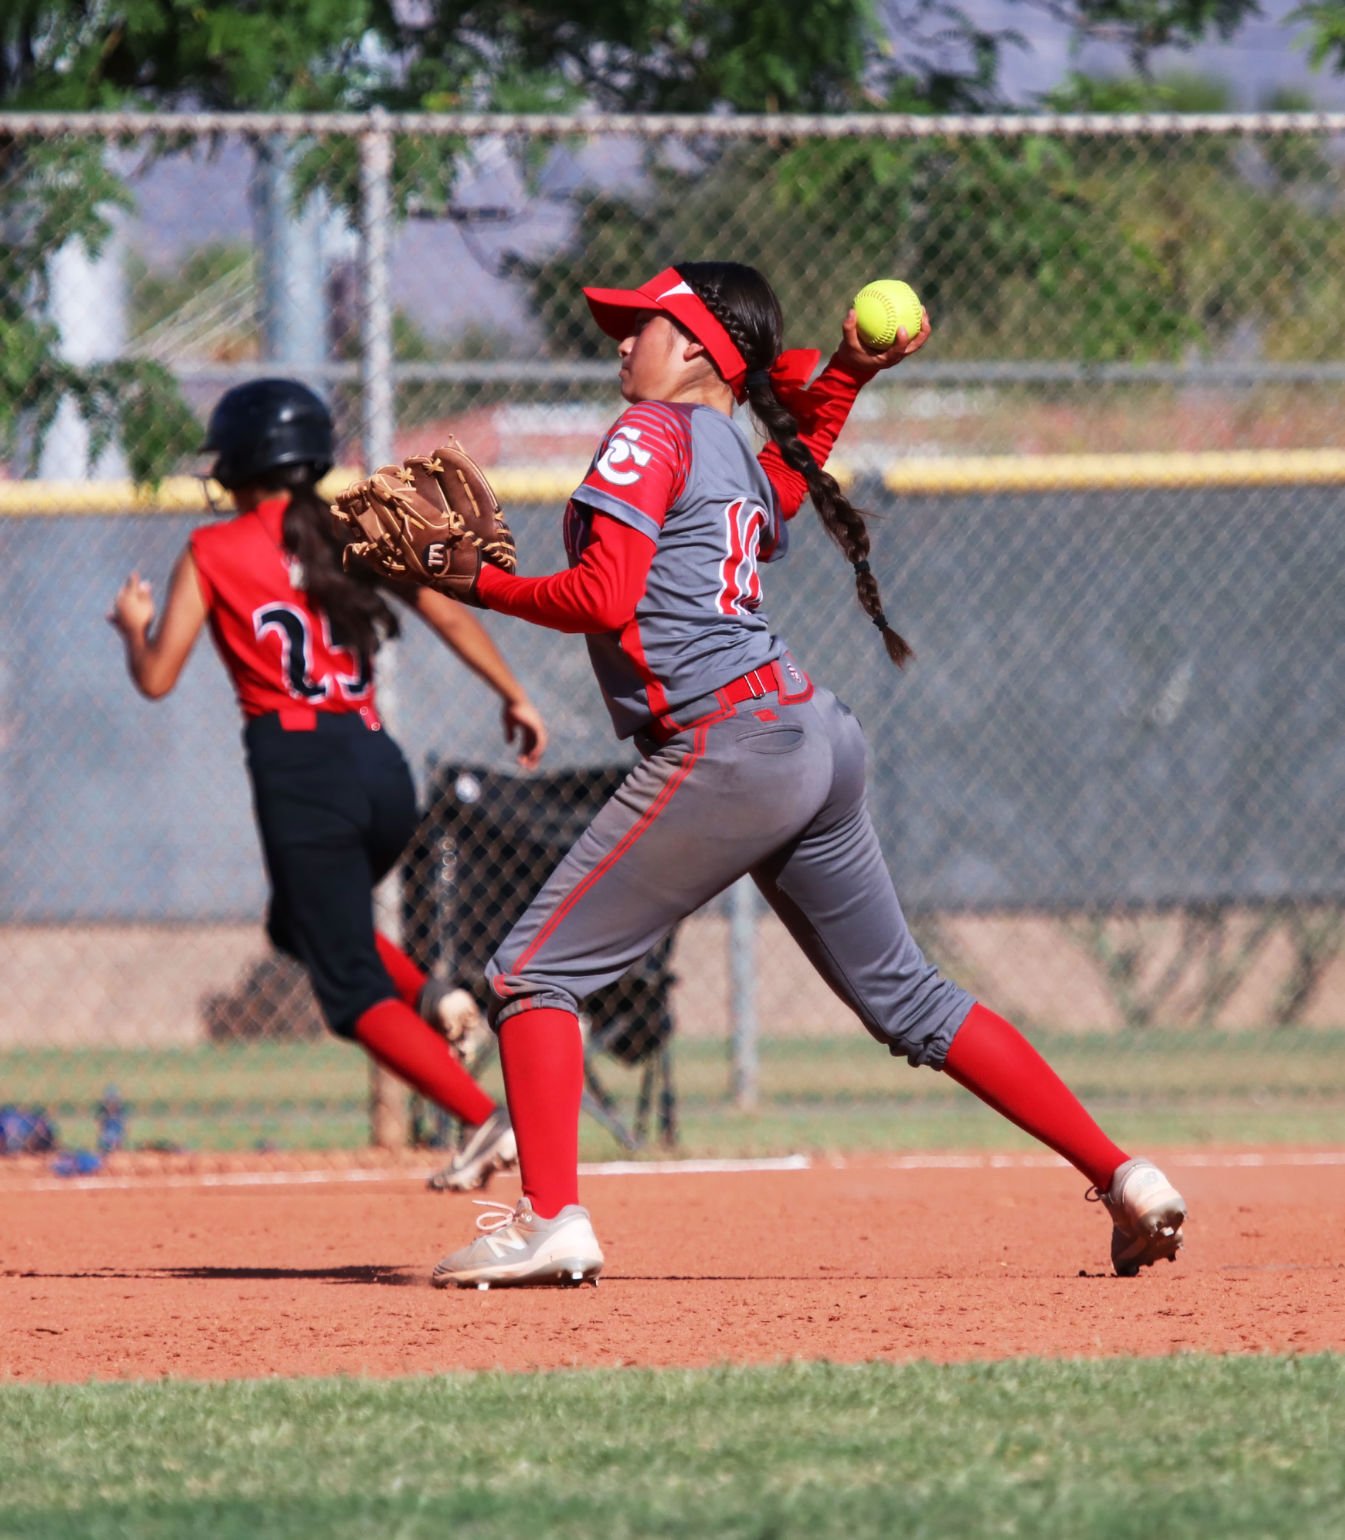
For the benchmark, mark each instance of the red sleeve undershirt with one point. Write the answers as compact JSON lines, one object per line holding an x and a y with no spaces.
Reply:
{"x":829,"y":397}
{"x":598,"y":594}
{"x":601,"y":591}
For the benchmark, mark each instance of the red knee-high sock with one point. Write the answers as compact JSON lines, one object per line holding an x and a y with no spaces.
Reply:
{"x":392,"y":1033}
{"x":994,"y":1061}
{"x":542,"y":1055}
{"x":407,"y":979}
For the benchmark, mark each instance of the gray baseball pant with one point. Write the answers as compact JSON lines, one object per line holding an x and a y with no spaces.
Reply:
{"x":771,"y":788}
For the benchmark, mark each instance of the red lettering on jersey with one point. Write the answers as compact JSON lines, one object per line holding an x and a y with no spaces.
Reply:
{"x":739,"y":574}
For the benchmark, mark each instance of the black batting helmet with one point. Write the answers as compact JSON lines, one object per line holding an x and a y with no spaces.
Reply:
{"x":265,"y":424}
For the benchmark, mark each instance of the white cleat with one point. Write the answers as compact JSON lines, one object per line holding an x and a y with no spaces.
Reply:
{"x":518,"y":1247}
{"x":491,"y":1148}
{"x":1147,"y":1215}
{"x":459,"y":1018}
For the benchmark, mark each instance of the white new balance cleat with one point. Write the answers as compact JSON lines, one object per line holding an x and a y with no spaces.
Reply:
{"x":519,"y":1247}
{"x":491,"y":1148}
{"x":1147,"y":1214}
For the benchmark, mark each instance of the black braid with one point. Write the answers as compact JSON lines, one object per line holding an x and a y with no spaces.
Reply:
{"x":744,"y":304}
{"x":360,"y":616}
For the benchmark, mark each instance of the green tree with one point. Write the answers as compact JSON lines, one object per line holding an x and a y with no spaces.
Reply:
{"x":438,"y":55}
{"x":1324,"y":21}
{"x":53,"y":193}
{"x":631,"y":55}
{"x":1095,"y":247}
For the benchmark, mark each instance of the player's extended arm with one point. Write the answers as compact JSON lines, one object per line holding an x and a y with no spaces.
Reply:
{"x":155,"y":655}
{"x":828,"y":402}
{"x":459,"y":629}
{"x":600,"y":593}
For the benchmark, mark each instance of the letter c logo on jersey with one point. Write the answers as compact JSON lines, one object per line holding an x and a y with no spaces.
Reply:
{"x":623,"y":450}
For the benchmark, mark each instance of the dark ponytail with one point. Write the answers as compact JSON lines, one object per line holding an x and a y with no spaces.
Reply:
{"x":744,"y":304}
{"x":359,"y":614}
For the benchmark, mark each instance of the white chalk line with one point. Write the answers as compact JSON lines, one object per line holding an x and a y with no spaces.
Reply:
{"x":932,"y":1162}
{"x":1217,"y":1160}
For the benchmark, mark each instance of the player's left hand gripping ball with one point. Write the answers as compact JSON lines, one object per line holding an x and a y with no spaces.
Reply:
{"x":431,"y":520}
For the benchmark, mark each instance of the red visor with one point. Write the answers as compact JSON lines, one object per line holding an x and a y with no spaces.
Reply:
{"x":670,"y":293}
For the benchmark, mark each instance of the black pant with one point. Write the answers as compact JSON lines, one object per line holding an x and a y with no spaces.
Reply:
{"x":335,"y":806}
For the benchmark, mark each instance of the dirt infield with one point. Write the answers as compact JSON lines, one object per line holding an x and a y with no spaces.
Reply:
{"x":986,"y":1257}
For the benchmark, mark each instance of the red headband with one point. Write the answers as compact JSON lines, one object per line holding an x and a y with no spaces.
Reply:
{"x":671,"y":294}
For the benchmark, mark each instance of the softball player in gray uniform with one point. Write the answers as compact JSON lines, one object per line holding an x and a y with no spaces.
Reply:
{"x":748,"y":765}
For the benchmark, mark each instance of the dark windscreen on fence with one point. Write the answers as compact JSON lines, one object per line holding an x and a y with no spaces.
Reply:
{"x":1121,"y":698}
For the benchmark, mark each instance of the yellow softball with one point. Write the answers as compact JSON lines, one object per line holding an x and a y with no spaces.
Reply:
{"x":884,"y":308}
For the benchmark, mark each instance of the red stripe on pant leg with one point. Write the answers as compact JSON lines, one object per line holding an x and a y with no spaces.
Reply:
{"x":407,"y":979}
{"x":994,"y":1061}
{"x":542,"y":1055}
{"x":638,"y":828}
{"x":401,"y":1041}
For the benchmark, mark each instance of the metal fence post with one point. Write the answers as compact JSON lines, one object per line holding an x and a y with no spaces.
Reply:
{"x":293,"y":297}
{"x":745,"y":1032}
{"x":378,"y":418}
{"x":87,"y":304}
{"x":389,"y":1116}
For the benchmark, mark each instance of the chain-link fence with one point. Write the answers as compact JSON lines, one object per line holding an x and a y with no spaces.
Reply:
{"x":1110,"y":788}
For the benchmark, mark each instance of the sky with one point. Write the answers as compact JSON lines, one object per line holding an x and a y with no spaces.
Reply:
{"x":1266,"y":54}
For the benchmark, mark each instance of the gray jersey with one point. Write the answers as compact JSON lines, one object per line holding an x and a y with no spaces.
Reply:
{"x":767,"y":782}
{"x":687,"y":477}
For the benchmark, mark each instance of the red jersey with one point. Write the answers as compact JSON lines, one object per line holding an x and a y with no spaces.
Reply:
{"x":276,"y":644}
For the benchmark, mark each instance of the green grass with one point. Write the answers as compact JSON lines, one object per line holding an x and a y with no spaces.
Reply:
{"x":833,"y":1094}
{"x":1201,"y":1448}
{"x":309,"y":1095}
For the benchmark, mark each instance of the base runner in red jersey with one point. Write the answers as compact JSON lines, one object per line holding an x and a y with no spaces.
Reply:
{"x":333,"y":795}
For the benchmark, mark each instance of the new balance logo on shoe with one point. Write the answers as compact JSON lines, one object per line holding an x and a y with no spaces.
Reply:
{"x":519,"y":1248}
